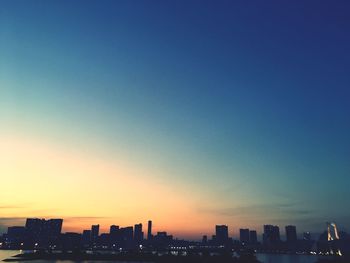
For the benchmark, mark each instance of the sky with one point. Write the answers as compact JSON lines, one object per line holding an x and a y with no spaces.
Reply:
{"x":188,"y":113}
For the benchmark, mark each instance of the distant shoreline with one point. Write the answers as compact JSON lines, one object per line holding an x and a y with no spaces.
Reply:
{"x":132,"y":257}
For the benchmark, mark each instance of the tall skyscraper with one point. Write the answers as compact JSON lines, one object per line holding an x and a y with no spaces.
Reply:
{"x":244,"y":235}
{"x":271,"y":234}
{"x":114,"y":235}
{"x":221,"y":232}
{"x":149,"y":230}
{"x":253,"y":237}
{"x":86,"y":238}
{"x":291,"y":234}
{"x":34,"y":228}
{"x":127,"y":236}
{"x":52,"y":230}
{"x":95,"y":229}
{"x":138,"y":234}
{"x":113,"y":230}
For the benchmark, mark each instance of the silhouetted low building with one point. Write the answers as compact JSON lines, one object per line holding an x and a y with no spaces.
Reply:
{"x":71,"y":241}
{"x":16,"y":236}
{"x":205,"y":240}
{"x":162,"y":240}
{"x":104,"y":241}
{"x":306,"y":236}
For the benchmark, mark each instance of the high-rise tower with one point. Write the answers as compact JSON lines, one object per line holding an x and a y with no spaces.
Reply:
{"x":149,"y":230}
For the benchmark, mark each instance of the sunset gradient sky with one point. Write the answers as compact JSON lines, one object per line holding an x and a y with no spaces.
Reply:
{"x":189,"y":113}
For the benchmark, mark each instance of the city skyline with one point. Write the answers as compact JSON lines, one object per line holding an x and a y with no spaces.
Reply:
{"x":191,"y":113}
{"x":44,"y":239}
{"x":149,"y":229}
{"x":220,"y":232}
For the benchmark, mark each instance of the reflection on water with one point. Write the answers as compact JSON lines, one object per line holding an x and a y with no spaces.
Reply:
{"x":265,"y":258}
{"x":7,"y":254}
{"x":273,"y":258}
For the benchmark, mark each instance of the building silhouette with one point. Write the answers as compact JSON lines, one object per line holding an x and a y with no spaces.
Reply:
{"x":271,"y":234}
{"x":291,"y":234}
{"x":138,"y":234}
{"x":103,"y":240}
{"x":43,"y":233}
{"x":95,"y":230}
{"x":253,"y":237}
{"x":71,"y":241}
{"x":113,"y":230}
{"x":34,"y":229}
{"x":221,"y":234}
{"x":114,"y":236}
{"x":16,"y":236}
{"x":127,"y":237}
{"x":205,"y":239}
{"x":162,"y":240}
{"x":86,"y":238}
{"x":244,"y":235}
{"x":149,"y":230}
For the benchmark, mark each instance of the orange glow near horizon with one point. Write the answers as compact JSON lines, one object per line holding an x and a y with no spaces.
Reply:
{"x":49,"y":180}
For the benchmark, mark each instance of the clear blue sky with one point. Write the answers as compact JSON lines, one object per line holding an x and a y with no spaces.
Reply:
{"x":245,"y":104}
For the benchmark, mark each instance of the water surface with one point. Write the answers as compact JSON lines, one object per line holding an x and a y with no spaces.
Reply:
{"x":265,"y":258}
{"x":7,"y":254}
{"x":281,"y":258}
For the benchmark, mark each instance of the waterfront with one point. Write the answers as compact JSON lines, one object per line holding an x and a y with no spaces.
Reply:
{"x":264,"y":258}
{"x":7,"y":254}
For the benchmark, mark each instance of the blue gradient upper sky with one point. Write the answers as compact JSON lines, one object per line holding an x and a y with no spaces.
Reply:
{"x":241,"y":108}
